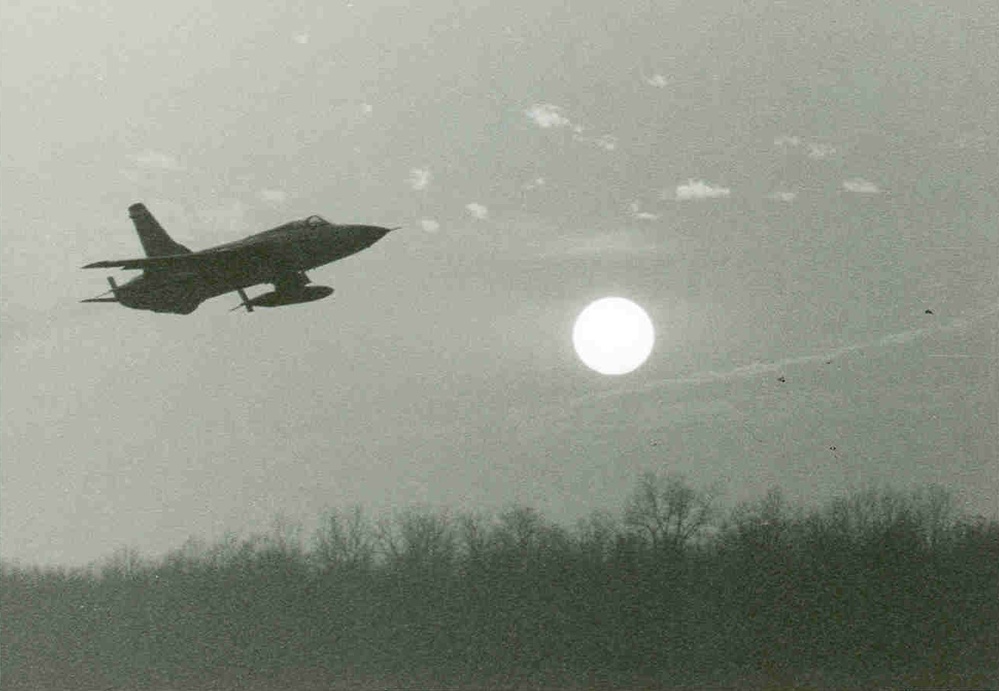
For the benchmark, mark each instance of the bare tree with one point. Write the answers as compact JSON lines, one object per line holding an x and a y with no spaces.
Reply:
{"x":520,"y":530}
{"x":525,"y":538}
{"x":667,"y":510}
{"x":284,"y":538}
{"x":123,"y":562}
{"x":344,"y":541}
{"x":870,"y":515}
{"x":764,"y":523}
{"x":473,"y":530}
{"x":937,"y":511}
{"x":926,"y":515}
{"x":595,"y":537}
{"x":418,"y":538}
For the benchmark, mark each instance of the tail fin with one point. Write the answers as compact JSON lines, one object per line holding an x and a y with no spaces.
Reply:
{"x":154,"y":239}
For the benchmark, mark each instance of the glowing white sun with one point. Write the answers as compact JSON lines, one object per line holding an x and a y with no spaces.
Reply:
{"x":613,"y":336}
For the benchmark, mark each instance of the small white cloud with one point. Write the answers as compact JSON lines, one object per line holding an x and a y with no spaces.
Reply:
{"x":156,"y":159}
{"x":607,"y":142}
{"x":636,"y":211}
{"x":301,"y":38}
{"x":545,"y":115}
{"x":419,"y":178}
{"x":477,"y":210}
{"x":274,"y":196}
{"x":656,"y":80}
{"x":966,"y":140}
{"x":819,"y":150}
{"x":367,"y":108}
{"x":430,"y":225}
{"x":534,"y":184}
{"x":783,"y":196}
{"x":698,"y":189}
{"x":786,"y":141}
{"x":603,"y":244}
{"x":860,"y":186}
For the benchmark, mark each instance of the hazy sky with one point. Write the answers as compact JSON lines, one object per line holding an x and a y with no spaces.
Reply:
{"x":785,"y":188}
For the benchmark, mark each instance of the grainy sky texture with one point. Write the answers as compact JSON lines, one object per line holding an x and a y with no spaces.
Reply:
{"x":785,"y":188}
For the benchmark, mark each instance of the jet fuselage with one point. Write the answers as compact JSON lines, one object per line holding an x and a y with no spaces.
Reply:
{"x":180,"y":281}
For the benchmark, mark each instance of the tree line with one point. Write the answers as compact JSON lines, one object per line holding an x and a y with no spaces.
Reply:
{"x":877,"y":587}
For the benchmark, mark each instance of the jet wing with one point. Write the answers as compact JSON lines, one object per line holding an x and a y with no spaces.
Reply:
{"x":161,"y":262}
{"x":223,"y":259}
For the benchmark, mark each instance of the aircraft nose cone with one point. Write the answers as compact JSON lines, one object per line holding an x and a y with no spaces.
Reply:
{"x":377,"y":232}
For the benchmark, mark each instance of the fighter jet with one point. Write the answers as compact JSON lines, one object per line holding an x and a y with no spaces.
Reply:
{"x":174,"y":279}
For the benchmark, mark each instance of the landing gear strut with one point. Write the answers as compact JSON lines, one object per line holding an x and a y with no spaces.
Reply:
{"x":245,"y":301}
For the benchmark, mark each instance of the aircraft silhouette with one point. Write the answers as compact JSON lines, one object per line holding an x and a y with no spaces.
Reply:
{"x":174,"y":279}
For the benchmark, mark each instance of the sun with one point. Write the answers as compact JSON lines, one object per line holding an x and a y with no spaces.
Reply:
{"x":613,"y":336}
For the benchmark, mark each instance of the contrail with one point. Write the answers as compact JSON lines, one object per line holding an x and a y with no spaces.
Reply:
{"x":757,"y":368}
{"x":962,"y":357}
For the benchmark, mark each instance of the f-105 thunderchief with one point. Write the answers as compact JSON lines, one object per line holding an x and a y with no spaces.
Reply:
{"x":175,"y":279}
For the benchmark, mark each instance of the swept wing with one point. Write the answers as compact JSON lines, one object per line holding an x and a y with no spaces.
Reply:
{"x":220,"y":259}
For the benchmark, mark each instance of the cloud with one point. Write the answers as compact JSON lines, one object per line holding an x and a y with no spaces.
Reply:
{"x":546,"y":116}
{"x":814,"y":150}
{"x":477,"y":210}
{"x":419,"y":178}
{"x":607,"y":142}
{"x":534,"y":184}
{"x":819,"y":150}
{"x":782,"y":196}
{"x":273,"y":196}
{"x":966,"y":140}
{"x":636,"y":212}
{"x":698,"y":189}
{"x":157,"y":160}
{"x":656,"y":80}
{"x":615,"y":242}
{"x":430,"y":225}
{"x":785,"y":141}
{"x":301,"y":38}
{"x":860,"y":186}
{"x":367,"y":108}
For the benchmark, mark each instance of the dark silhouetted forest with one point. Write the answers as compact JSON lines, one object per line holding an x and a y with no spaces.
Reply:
{"x":878,"y":588}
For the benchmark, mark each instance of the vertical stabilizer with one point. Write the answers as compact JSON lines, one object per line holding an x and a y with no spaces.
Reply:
{"x":154,"y":239}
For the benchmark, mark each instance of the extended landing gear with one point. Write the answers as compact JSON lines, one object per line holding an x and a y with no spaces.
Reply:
{"x":245,"y":301}
{"x":113,"y":292}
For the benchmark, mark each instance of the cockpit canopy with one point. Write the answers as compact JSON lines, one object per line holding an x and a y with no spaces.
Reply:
{"x":315,"y":221}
